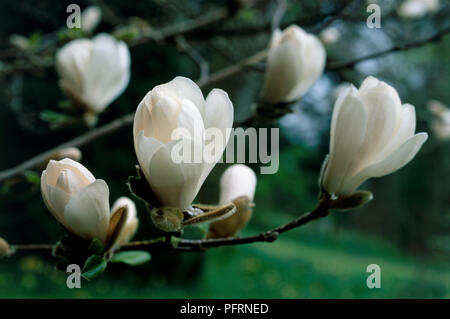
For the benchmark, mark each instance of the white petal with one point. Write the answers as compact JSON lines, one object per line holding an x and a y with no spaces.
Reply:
{"x":129,"y":204}
{"x":314,"y":57}
{"x":71,"y":62}
{"x":347,"y":134}
{"x":237,"y":180}
{"x":190,"y":118}
{"x":164,"y":117}
{"x":107,"y":72}
{"x":219,"y":111}
{"x":399,"y":158}
{"x":142,"y":119}
{"x":406,"y":128}
{"x":165,"y":177}
{"x":382,"y":121}
{"x":146,"y":148}
{"x":87,"y":212}
{"x":283,"y":69}
{"x":184,"y":88}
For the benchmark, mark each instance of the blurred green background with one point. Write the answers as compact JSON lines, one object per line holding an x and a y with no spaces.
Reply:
{"x":405,"y":229}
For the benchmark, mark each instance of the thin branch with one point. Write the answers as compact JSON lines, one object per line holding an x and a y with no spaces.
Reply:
{"x":119,"y":123}
{"x":435,"y":38}
{"x":203,"y":65}
{"x":164,"y":243}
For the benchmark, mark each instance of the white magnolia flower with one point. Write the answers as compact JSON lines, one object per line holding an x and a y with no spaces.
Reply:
{"x":178,"y":104}
{"x":441,"y":119}
{"x":90,"y":18}
{"x":237,"y":180}
{"x":295,"y":61}
{"x":417,"y":8}
{"x":131,"y":224}
{"x":372,"y":135}
{"x":94,"y":72}
{"x":76,"y":199}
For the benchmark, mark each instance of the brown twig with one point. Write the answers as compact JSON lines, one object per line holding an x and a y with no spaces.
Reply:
{"x":164,"y":243}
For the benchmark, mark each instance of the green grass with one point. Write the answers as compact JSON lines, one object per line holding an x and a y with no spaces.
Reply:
{"x":303,"y":263}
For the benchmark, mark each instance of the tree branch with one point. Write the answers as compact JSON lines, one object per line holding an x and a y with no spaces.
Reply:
{"x":435,"y":38}
{"x":165,"y":243}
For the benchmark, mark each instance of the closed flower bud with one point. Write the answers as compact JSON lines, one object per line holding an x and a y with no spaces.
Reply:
{"x":441,"y":120}
{"x":76,"y":199}
{"x":179,"y":105}
{"x":417,"y":8}
{"x":4,"y":248}
{"x":372,"y":135}
{"x":93,"y":72}
{"x":90,"y":18}
{"x":330,"y":35}
{"x":132,"y":222}
{"x":237,"y":185}
{"x":295,"y":61}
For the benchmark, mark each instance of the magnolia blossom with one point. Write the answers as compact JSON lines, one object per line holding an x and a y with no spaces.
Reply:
{"x":295,"y":61}
{"x":441,"y":119}
{"x":90,"y":18}
{"x":76,"y":199}
{"x":237,"y":185}
{"x":417,"y":8}
{"x":372,"y":135}
{"x":237,"y":180}
{"x":132,"y":222}
{"x":94,"y":72}
{"x":167,"y":108}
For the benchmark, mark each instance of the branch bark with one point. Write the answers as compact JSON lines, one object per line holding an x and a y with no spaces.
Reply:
{"x":166,"y":243}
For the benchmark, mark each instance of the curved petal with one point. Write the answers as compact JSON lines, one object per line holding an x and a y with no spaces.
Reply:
{"x":79,"y":169}
{"x":314,"y":56}
{"x":396,"y":160}
{"x":146,"y":148}
{"x":405,"y":130}
{"x":165,"y":177}
{"x":190,"y":118}
{"x":219,"y":112}
{"x":107,"y":72}
{"x":142,"y":119}
{"x":71,"y":61}
{"x":283,"y":69}
{"x":382,"y":121}
{"x":346,"y":137}
{"x":184,"y":88}
{"x":164,"y":114}
{"x":87,"y":212}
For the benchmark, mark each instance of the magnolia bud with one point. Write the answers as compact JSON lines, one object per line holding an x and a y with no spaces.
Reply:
{"x":295,"y":61}
{"x":441,"y":120}
{"x":94,"y":72}
{"x":4,"y":248}
{"x":372,"y":135}
{"x":417,"y":8}
{"x":330,"y":35}
{"x":131,"y":224}
{"x":237,"y":185}
{"x":90,"y":18}
{"x":76,"y":199}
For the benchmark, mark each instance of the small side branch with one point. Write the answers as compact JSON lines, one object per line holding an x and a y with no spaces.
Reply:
{"x":164,"y":243}
{"x":349,"y":64}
